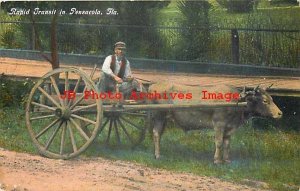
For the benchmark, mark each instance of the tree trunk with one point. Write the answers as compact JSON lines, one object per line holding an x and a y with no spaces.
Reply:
{"x":37,"y":39}
{"x":54,"y":47}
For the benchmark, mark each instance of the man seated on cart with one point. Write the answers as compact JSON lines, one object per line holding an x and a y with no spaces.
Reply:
{"x":116,"y":70}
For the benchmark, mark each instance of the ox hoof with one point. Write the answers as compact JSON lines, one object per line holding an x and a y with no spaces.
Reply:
{"x":218,"y":162}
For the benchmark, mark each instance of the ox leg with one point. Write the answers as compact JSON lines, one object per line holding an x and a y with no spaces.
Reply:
{"x":226,"y":144}
{"x":226,"y":141}
{"x":219,"y":132}
{"x":159,"y":124}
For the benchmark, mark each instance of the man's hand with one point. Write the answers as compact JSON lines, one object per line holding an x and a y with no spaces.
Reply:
{"x":118,"y":80}
{"x":129,"y":78}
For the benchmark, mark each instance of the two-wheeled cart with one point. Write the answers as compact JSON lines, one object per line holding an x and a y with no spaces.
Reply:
{"x":63,"y":126}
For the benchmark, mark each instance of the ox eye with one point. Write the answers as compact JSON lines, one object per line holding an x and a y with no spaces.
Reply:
{"x":265,"y":101}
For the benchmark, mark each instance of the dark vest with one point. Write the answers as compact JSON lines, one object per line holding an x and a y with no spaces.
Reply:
{"x":122,"y":68}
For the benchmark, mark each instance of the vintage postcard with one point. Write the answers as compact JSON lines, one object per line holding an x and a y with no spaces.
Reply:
{"x":150,"y":95}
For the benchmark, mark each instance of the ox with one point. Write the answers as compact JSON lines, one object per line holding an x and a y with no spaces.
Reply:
{"x":224,"y":120}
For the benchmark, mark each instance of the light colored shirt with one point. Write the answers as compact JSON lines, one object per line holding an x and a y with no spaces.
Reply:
{"x":106,"y":66}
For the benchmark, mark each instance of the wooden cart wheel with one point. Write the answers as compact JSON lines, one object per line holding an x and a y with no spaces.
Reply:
{"x":123,"y":129}
{"x":54,"y":123}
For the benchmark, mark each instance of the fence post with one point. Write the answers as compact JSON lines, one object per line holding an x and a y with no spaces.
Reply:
{"x":235,"y":46}
{"x":33,"y":39}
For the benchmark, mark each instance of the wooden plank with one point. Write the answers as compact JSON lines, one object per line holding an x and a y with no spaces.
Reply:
{"x":173,"y":106}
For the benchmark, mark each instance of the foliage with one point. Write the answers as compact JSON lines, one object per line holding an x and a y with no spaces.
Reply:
{"x":237,"y":6}
{"x":13,"y":93}
{"x":100,"y":40}
{"x":9,"y":33}
{"x":280,"y":49}
{"x":141,"y":40}
{"x":187,"y":33}
{"x":35,"y":38}
{"x":195,"y":33}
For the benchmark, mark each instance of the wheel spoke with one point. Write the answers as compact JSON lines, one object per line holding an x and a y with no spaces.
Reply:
{"x":77,"y":84}
{"x":66,"y":126}
{"x":49,"y":97}
{"x":56,"y":89}
{"x":117,"y":132}
{"x":46,"y":128}
{"x":130,"y":123}
{"x":43,"y":106}
{"x":42,"y":117}
{"x":67,"y":81}
{"x":93,"y":71}
{"x":67,"y":86}
{"x":125,"y":131}
{"x":85,"y":107}
{"x":104,"y":124}
{"x":82,"y":133}
{"x":53,"y":135}
{"x":109,"y":130}
{"x":78,"y":101}
{"x":62,"y":141}
{"x":83,"y":119}
{"x":72,"y":138}
{"x":75,"y":90}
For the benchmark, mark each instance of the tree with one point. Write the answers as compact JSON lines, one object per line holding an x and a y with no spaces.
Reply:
{"x":141,"y":14}
{"x":54,"y":59}
{"x":196,"y":33}
{"x":96,"y":39}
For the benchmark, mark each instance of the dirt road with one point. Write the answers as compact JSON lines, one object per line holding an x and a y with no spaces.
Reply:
{"x":20,"y":172}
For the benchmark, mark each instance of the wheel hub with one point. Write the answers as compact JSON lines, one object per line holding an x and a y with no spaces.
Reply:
{"x":63,"y":113}
{"x":112,"y":114}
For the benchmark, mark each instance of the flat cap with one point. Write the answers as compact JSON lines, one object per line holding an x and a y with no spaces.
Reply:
{"x":120,"y":45}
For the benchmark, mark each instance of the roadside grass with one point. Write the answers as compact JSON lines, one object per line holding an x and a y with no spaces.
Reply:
{"x":271,"y":155}
{"x":13,"y":131}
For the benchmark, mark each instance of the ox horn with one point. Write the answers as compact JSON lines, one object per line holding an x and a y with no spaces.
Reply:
{"x":243,"y":93}
{"x":269,"y":86}
{"x":256,"y":88}
{"x":244,"y":89}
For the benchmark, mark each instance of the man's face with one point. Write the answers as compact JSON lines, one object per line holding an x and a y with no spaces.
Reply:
{"x":119,"y":51}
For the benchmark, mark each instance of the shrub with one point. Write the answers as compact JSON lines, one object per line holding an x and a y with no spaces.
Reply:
{"x":237,"y":6}
{"x":283,"y":2}
{"x":195,"y":39}
{"x":13,"y":93}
